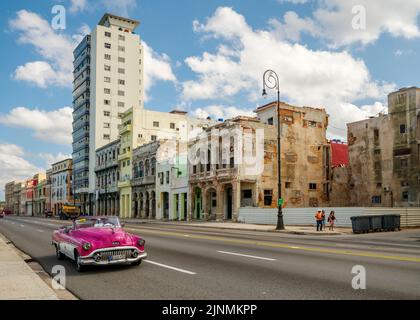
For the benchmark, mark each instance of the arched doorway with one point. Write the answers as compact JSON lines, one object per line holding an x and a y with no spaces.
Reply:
{"x":146,"y":208}
{"x":153,"y":198}
{"x":197,"y":203}
{"x":141,"y":204}
{"x":228,"y":197}
{"x":136,"y":205}
{"x":211,"y":203}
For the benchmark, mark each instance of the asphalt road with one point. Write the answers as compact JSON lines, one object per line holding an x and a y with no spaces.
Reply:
{"x":204,"y":263}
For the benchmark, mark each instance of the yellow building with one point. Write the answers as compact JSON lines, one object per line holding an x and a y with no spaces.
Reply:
{"x":124,"y":163}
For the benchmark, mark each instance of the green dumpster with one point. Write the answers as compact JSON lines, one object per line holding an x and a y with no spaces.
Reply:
{"x":375,"y":222}
{"x":390,"y":222}
{"x":360,"y":224}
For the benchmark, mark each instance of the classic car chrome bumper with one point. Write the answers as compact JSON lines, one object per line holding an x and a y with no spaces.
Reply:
{"x":107,"y":256}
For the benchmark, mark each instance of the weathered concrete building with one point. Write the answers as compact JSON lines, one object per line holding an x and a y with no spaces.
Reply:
{"x":8,"y":193}
{"x":385,"y":154}
{"x":107,"y":176}
{"x":305,"y":153}
{"x":218,"y":189}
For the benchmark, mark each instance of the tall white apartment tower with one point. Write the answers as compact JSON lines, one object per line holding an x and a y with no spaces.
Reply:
{"x":108,"y":80}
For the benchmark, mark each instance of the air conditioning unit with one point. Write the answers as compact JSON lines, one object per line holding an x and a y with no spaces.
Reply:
{"x":386,"y":189}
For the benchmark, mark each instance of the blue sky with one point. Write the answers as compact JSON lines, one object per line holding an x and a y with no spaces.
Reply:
{"x":206,"y":57}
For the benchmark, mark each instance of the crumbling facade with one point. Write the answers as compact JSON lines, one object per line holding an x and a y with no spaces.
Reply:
{"x":384,"y":154}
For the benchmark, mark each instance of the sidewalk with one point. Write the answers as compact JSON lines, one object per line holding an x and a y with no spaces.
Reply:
{"x":17,"y":280}
{"x":301,"y":230}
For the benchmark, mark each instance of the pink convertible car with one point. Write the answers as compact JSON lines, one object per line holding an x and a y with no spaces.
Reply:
{"x":98,"y":241}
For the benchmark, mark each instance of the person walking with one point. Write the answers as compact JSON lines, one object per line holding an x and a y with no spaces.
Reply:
{"x":323,"y":220}
{"x":318,"y":218}
{"x":331,"y":220}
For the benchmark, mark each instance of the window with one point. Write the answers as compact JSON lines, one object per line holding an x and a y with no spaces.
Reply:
{"x":107,"y":137}
{"x":107,"y":102}
{"x":288,"y":185}
{"x":270,"y":121}
{"x":376,"y":199}
{"x":121,"y":59}
{"x":194,"y":169}
{"x":402,"y":128}
{"x":153,"y":138}
{"x":107,"y":57}
{"x":312,"y":186}
{"x":121,"y":104}
{"x":312,"y":124}
{"x":107,"y":79}
{"x":379,"y":185}
{"x":121,"y":37}
{"x":404,"y":183}
{"x":167,"y":177}
{"x":121,"y":82}
{"x":156,"y":124}
{"x":107,"y":45}
{"x":121,"y":70}
{"x":404,"y":196}
{"x":107,"y":113}
{"x":107,"y":90}
{"x":232,"y":162}
{"x":247,"y":194}
{"x":404,"y":163}
{"x":268,"y":197}
{"x":120,"y":115}
{"x":121,"y":48}
{"x":172,"y":125}
{"x":161,"y":177}
{"x":107,"y":125}
{"x":121,"y":93}
{"x":107,"y":68}
{"x":107,"y":34}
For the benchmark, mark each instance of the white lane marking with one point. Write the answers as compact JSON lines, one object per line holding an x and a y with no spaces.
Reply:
{"x":12,"y":222}
{"x":22,"y":225}
{"x":39,"y":230}
{"x":186,"y":235}
{"x":170,"y":267}
{"x":247,"y":256}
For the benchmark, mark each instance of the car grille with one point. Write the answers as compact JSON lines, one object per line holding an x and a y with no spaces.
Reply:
{"x":105,"y":255}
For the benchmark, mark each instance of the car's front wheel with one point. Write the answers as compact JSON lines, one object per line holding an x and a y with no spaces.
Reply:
{"x":58,"y":253}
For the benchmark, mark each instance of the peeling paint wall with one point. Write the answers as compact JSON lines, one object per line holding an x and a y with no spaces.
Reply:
{"x":384,"y":154}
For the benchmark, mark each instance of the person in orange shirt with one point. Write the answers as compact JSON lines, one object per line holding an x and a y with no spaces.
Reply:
{"x":318,"y":218}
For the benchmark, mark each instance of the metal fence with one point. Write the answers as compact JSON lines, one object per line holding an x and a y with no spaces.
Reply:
{"x":410,"y":217}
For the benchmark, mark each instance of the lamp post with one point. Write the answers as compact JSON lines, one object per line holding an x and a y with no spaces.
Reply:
{"x":271,"y":81}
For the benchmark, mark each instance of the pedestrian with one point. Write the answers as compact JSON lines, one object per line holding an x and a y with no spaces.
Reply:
{"x":318,"y":218}
{"x":331,"y":220}
{"x":323,"y":220}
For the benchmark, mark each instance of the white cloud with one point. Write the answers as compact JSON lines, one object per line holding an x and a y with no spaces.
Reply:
{"x":333,"y":20}
{"x":294,"y":1}
{"x":50,"y":126}
{"x":13,"y":165}
{"x":307,"y":77}
{"x":56,"y":50}
{"x":157,"y":67}
{"x":120,"y":7}
{"x":78,"y":5}
{"x":50,"y":158}
{"x":222,"y":112}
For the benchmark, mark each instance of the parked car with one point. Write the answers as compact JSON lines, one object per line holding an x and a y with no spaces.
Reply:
{"x":1,"y":215}
{"x":98,"y":241}
{"x":7,"y":212}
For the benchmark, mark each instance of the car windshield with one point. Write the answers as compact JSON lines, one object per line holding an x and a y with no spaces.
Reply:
{"x":101,"y":222}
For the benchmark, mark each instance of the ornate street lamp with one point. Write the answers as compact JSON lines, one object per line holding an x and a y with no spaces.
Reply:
{"x":271,"y":81}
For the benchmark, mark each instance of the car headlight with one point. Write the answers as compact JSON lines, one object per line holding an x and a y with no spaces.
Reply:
{"x":141,"y":242}
{"x":87,"y":246}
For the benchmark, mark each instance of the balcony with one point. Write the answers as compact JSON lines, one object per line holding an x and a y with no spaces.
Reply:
{"x":124,"y":183}
{"x":125,"y":128}
{"x":124,"y":156}
{"x":144,"y":180}
{"x":106,"y":165}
